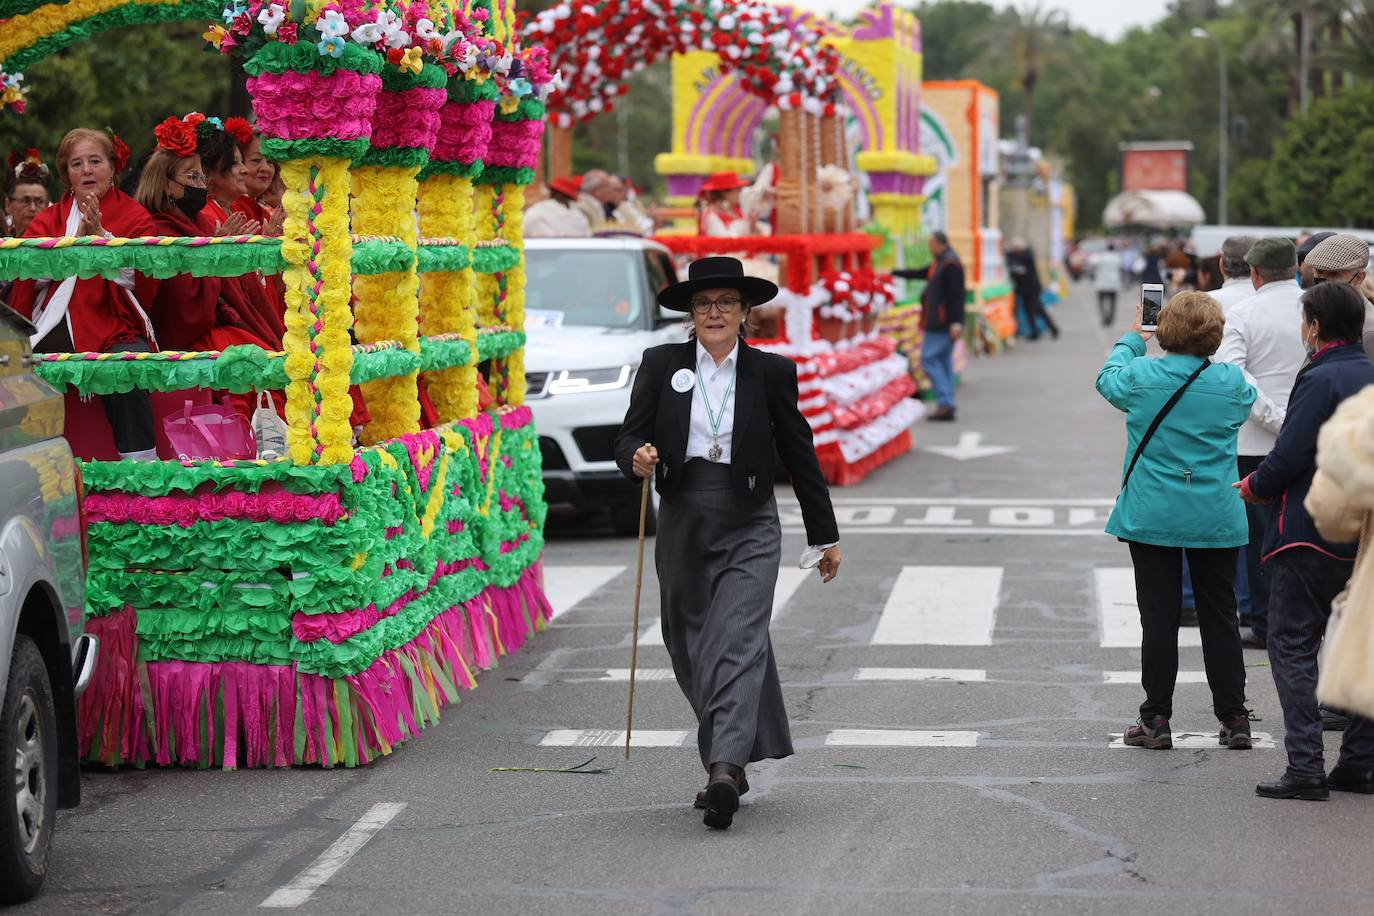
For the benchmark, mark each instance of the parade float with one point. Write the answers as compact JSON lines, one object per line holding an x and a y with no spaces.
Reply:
{"x":323,"y":606}
{"x":734,"y":63}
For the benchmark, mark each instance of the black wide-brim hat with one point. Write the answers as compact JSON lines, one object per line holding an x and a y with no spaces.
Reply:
{"x":716,"y":273}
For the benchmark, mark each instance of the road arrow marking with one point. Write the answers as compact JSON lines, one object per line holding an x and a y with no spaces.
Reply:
{"x":969,"y":447}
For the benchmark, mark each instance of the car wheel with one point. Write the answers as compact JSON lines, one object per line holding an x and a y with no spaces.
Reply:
{"x":28,"y":754}
{"x":625,"y":515}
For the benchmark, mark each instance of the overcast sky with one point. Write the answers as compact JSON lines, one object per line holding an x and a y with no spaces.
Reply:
{"x":1108,"y":18}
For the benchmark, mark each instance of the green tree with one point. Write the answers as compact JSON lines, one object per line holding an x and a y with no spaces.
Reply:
{"x":953,"y":35}
{"x":1314,"y":175}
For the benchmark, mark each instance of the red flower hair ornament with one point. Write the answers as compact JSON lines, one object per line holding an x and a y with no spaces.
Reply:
{"x":177,"y":137}
{"x":240,"y":130}
{"x":121,"y":150}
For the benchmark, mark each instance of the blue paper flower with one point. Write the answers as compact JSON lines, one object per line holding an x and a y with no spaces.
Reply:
{"x":331,"y":47}
{"x":520,"y":87}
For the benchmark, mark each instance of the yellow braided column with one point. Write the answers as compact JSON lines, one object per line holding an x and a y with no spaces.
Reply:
{"x":317,"y":250}
{"x":446,"y":299}
{"x":387,"y":306}
{"x":514,"y":233}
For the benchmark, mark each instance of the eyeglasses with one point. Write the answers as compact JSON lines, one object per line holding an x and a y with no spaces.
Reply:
{"x":194,"y":178}
{"x":38,"y":203}
{"x":726,"y":305}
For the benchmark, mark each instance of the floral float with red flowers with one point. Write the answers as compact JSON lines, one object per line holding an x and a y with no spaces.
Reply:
{"x":776,"y":54}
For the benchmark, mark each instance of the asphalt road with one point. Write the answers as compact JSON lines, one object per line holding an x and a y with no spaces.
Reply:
{"x":992,"y":788}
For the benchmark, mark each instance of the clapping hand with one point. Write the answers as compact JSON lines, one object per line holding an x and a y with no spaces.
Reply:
{"x":275,"y":222}
{"x":237,"y":224}
{"x":89,"y":205}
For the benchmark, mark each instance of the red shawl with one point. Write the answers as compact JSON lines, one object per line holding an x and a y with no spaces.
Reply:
{"x":100,"y":314}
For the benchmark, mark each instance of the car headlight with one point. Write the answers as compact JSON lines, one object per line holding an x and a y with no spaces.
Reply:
{"x":579,"y":381}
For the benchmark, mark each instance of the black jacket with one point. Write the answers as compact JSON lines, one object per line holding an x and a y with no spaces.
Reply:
{"x":942,"y":303}
{"x":1025,"y":276}
{"x":766,"y":414}
{"x":1286,"y":473}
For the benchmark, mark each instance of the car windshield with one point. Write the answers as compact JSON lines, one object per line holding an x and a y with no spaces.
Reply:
{"x":584,"y":287}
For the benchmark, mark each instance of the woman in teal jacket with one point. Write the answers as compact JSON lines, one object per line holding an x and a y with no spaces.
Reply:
{"x":1178,"y":498}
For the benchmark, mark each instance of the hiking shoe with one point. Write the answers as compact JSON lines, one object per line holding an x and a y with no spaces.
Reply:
{"x":1153,"y":734}
{"x":1235,"y":735}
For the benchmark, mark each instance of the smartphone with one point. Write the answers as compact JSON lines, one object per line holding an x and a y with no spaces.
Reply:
{"x":1152,"y":295}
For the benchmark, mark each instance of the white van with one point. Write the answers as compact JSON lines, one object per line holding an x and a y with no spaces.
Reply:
{"x":590,"y":313}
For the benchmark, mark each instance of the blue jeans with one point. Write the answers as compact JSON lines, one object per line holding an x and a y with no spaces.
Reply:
{"x":1257,"y":574}
{"x":937,"y":361}
{"x":1302,"y":584}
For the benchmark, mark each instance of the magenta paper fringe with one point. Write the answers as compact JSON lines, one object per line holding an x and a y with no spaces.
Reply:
{"x":305,"y":106}
{"x":408,"y":119}
{"x":515,"y":144}
{"x":273,"y":504}
{"x":196,"y":713}
{"x":464,"y":132}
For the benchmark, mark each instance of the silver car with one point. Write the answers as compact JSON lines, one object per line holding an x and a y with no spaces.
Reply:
{"x":45,"y":659}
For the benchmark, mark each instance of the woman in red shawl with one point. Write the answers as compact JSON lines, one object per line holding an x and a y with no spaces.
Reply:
{"x":96,"y":314}
{"x":222,"y":162}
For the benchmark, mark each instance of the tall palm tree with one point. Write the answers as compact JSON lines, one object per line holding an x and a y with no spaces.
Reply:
{"x":1351,"y":50}
{"x":1035,"y":36}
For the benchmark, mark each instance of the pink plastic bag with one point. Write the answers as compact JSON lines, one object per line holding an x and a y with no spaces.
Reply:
{"x":210,"y":432}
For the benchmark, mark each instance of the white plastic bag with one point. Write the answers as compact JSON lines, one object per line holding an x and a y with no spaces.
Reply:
{"x":268,"y":429}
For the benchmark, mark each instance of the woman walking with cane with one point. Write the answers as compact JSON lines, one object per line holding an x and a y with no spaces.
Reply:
{"x":705,"y":417}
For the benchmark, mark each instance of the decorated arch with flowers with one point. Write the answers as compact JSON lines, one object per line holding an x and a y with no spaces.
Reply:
{"x":321,"y":606}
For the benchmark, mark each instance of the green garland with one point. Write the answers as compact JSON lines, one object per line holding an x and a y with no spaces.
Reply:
{"x":284,"y":150}
{"x":379,"y":256}
{"x":457,"y":169}
{"x":431,"y":76}
{"x":396,"y":157}
{"x":304,"y":57}
{"x":160,"y":478}
{"x":443,"y":258}
{"x":528,"y":109}
{"x":465,"y":91}
{"x":506,"y":174}
{"x":496,"y":345}
{"x":495,"y":260}
{"x":438,"y":354}
{"x":134,"y":14}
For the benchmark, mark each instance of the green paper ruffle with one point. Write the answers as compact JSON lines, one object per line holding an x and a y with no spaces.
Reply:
{"x":505,"y":174}
{"x":456,"y":169}
{"x":316,"y":148}
{"x":466,"y":91}
{"x":495,"y":260}
{"x":396,"y":157}
{"x":86,"y":29}
{"x":443,"y":258}
{"x":304,"y":57}
{"x":431,"y":76}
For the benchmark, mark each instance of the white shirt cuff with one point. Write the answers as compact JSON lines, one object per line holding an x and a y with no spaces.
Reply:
{"x":811,"y":556}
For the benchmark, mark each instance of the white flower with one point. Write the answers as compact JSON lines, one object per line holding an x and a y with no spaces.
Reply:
{"x":271,"y":17}
{"x":727,"y":23}
{"x":369,"y":33}
{"x":425,"y":30}
{"x":332,"y":25}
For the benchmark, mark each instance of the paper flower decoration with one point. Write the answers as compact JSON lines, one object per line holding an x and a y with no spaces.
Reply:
{"x":176,"y":136}
{"x":240,"y":130}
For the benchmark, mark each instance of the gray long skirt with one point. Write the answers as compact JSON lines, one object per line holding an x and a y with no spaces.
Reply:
{"x":717,"y":569}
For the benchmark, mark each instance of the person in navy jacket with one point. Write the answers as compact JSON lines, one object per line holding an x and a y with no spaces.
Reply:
{"x":1306,"y":571}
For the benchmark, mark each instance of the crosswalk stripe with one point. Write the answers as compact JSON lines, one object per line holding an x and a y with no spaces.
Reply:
{"x":1133,"y":677}
{"x":641,"y":674}
{"x":1118,"y":614}
{"x":1195,"y":741}
{"x":940,"y":606}
{"x":607,"y":737}
{"x":893,"y":737}
{"x":920,"y":674}
{"x":789,"y":580}
{"x":567,"y":586}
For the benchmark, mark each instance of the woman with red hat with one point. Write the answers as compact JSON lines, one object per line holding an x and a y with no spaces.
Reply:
{"x":719,"y":212}
{"x":558,"y":215}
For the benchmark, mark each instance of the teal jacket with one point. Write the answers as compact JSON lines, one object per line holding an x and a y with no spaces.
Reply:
{"x":1180,"y":494}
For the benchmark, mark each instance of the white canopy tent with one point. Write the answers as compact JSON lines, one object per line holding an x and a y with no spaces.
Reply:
{"x":1153,"y":210}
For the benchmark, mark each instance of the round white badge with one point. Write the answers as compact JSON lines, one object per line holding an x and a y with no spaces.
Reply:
{"x":684,"y":380}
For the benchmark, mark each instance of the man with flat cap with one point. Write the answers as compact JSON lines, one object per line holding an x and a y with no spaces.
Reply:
{"x":1304,"y":249}
{"x":1236,"y":286}
{"x":1264,"y":338}
{"x":1341,"y":258}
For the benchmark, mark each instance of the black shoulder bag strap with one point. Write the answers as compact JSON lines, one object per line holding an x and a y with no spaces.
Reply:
{"x":1159,"y":418}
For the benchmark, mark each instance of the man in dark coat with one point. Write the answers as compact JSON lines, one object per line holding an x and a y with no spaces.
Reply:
{"x":1307,"y":572}
{"x":942,"y":319}
{"x":1025,"y":280}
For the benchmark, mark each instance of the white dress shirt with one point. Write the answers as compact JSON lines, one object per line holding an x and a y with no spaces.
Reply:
{"x":716,"y":380}
{"x":1232,"y":293}
{"x":1264,"y":338}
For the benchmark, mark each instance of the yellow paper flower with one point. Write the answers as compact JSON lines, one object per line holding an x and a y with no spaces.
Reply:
{"x":447,"y":304}
{"x":412,"y":60}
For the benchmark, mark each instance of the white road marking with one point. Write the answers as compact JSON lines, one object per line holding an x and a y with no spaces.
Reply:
{"x":940,"y":606}
{"x":918,"y":526}
{"x":301,"y":887}
{"x":892,"y":737}
{"x":789,"y":580}
{"x":608,"y":737}
{"x":567,"y":586}
{"x":921,"y":674}
{"x":1119,"y":616}
{"x":952,"y":501}
{"x":970,"y":446}
{"x":1195,"y":741}
{"x":1133,"y":677}
{"x":643,"y":674}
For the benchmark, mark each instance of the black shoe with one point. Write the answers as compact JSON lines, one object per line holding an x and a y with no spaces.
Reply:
{"x":941,"y":413}
{"x":722,"y":801}
{"x":1153,"y":735}
{"x":1307,"y":788}
{"x":1188,"y":618}
{"x":700,"y":803}
{"x":1333,"y":721}
{"x":1346,"y":779}
{"x":1235,"y":735}
{"x":1251,"y":641}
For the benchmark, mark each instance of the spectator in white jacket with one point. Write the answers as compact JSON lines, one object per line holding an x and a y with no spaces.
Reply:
{"x":1264,"y":338}
{"x":1235,"y":272}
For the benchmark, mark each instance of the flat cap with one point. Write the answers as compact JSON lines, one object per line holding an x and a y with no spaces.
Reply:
{"x":1313,"y":241}
{"x":1273,"y":253}
{"x":1340,"y":252}
{"x":1236,"y":247}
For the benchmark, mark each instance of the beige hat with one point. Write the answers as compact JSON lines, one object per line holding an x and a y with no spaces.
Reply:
{"x":1340,"y":252}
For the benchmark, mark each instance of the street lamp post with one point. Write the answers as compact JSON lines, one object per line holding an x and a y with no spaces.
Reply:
{"x":1223,"y":128}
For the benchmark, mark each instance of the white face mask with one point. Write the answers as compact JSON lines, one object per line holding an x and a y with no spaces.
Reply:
{"x":1309,"y":339}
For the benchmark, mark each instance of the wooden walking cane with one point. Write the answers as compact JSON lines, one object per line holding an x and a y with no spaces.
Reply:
{"x":634,"y":638}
